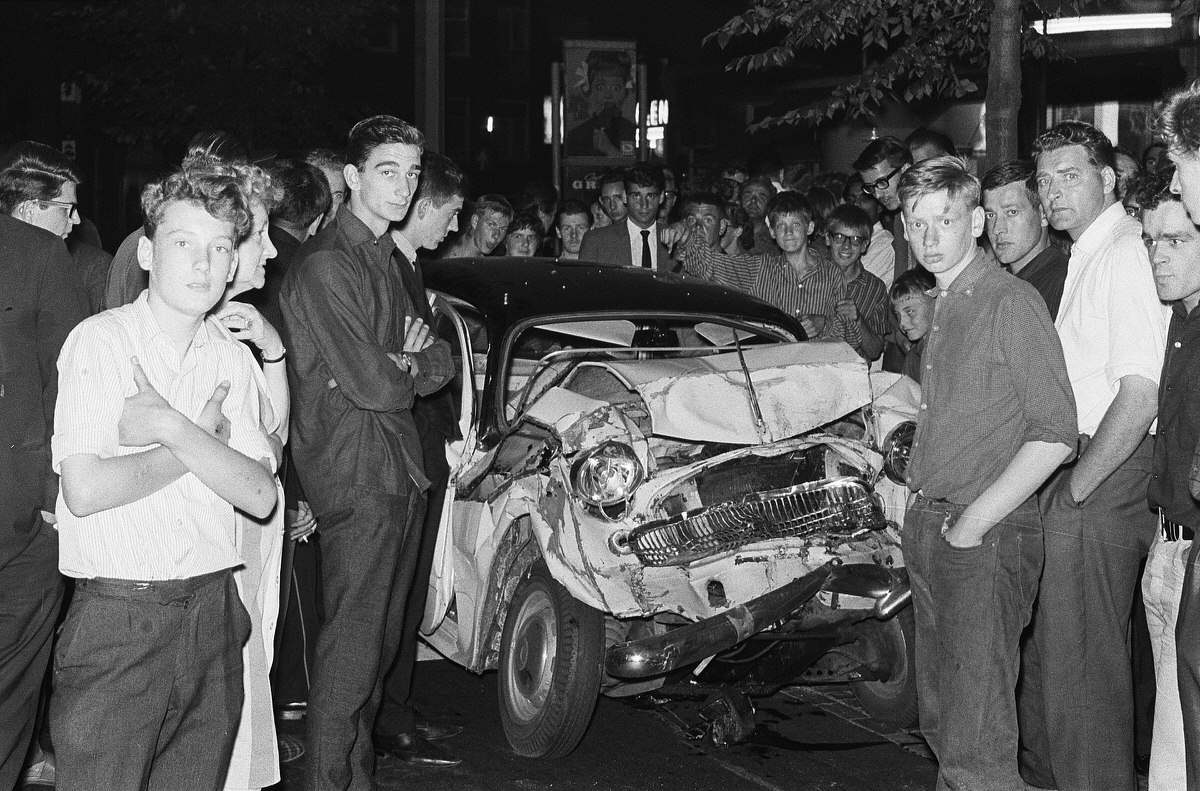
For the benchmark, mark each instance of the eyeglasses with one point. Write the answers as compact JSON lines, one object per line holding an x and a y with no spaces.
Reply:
{"x":881,"y":184}
{"x":72,"y":208}
{"x":839,"y":239}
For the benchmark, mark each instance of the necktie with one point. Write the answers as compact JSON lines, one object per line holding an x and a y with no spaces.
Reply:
{"x":647,"y":261}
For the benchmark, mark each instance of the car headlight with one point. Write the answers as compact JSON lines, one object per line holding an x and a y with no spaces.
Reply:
{"x":607,"y":474}
{"x":897,"y":450}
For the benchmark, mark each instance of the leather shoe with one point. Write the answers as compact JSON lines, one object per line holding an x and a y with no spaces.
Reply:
{"x":414,"y":750}
{"x":428,"y":729}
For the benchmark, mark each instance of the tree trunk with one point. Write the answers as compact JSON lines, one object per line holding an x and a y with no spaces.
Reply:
{"x":1003,"y":97}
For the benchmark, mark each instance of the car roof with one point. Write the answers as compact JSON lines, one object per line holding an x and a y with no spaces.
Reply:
{"x":510,"y":290}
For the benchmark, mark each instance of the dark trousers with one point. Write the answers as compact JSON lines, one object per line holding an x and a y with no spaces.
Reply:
{"x":1076,"y":703}
{"x":971,"y":605}
{"x":30,"y":597}
{"x":368,"y":556}
{"x":397,"y":713}
{"x":1187,"y":658}
{"x":148,"y":684}
{"x":300,"y":622}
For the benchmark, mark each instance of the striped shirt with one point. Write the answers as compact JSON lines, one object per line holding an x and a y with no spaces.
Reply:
{"x":184,"y":529}
{"x":871,"y":299}
{"x":771,"y":279}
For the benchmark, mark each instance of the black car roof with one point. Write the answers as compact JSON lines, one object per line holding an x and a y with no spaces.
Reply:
{"x":509,"y":290}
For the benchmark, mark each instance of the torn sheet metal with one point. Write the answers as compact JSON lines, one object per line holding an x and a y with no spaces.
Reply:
{"x":799,"y":386}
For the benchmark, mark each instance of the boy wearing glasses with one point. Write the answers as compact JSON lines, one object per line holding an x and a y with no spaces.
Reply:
{"x":881,"y":164}
{"x":861,"y":310}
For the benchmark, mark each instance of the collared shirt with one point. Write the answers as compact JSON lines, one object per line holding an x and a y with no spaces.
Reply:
{"x":870,"y":298}
{"x":1178,"y":420}
{"x":1110,"y":320}
{"x":184,"y":529}
{"x":39,"y":305}
{"x":635,"y":243}
{"x":1047,"y":272}
{"x":880,"y":258}
{"x":900,"y":253}
{"x":771,"y":279}
{"x":993,"y":379}
{"x":344,"y":305}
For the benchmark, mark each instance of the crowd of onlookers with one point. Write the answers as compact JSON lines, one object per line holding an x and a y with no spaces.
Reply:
{"x":257,"y":361}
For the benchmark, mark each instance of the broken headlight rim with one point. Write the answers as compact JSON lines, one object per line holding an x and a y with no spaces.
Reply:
{"x":897,"y":450}
{"x":607,"y":474}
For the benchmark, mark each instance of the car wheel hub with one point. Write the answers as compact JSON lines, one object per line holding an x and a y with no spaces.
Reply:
{"x":534,"y":648}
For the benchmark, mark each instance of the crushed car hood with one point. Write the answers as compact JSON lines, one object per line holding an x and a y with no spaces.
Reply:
{"x":799,"y":386}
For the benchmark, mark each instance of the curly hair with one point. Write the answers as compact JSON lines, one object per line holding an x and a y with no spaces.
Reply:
{"x":1178,"y":122}
{"x":204,"y":182}
{"x":1153,"y":188}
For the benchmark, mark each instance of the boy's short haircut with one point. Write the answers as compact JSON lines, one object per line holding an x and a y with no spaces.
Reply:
{"x":33,"y":171}
{"x":493,"y":202}
{"x":1076,"y":133}
{"x":642,"y":175}
{"x":378,"y":130}
{"x":306,"y":193}
{"x":527,"y":221}
{"x":915,"y":281}
{"x":923,"y":136}
{"x":611,"y":176}
{"x":703,"y":199}
{"x":789,"y":203}
{"x":1010,"y":172}
{"x":885,"y":149}
{"x":208,"y":184}
{"x":325,"y":158}
{"x":1178,"y":122}
{"x":940,"y":174}
{"x":572,"y":206}
{"x":1153,"y":188}
{"x":441,"y":180}
{"x":850,"y":217}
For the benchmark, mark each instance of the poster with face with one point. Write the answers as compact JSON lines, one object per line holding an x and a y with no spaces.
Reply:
{"x":600,"y":99}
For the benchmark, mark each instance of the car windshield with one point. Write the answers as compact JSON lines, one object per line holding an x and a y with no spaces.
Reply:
{"x":544,"y":354}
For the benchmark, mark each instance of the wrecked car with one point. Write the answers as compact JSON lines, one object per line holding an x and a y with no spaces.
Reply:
{"x":659,"y":478}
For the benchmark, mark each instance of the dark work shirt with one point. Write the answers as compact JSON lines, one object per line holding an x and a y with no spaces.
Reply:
{"x":912,"y":361}
{"x":993,"y":378}
{"x":1047,"y":272}
{"x":1178,"y":420}
{"x":40,"y":303}
{"x":344,"y":304}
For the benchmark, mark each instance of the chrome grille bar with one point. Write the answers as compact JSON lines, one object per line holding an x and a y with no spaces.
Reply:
{"x":840,"y":507}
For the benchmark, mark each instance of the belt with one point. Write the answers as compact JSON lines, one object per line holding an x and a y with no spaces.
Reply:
{"x":1173,"y":531}
{"x":161,"y":591}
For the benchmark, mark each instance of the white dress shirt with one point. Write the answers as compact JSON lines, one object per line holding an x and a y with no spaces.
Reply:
{"x":635,"y":243}
{"x":1110,"y":321}
{"x":184,"y":529}
{"x":880,"y":258}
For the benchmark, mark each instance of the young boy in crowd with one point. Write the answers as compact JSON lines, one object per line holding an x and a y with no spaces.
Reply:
{"x":914,"y":314}
{"x":158,"y":439}
{"x":861,"y":312}
{"x":799,"y":281}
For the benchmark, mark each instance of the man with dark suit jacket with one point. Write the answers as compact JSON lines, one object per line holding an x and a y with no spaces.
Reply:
{"x":636,"y":241}
{"x":40,"y":303}
{"x":400,"y":731}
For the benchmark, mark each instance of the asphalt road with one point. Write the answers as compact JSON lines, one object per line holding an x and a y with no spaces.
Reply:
{"x":806,"y":739}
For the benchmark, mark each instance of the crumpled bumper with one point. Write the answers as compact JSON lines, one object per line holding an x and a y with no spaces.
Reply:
{"x":687,"y":644}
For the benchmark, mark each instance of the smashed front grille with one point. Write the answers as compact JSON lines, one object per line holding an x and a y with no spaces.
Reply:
{"x":841,"y":507}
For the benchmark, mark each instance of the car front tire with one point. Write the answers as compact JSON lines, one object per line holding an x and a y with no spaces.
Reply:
{"x":892,"y":700}
{"x":551,"y":665}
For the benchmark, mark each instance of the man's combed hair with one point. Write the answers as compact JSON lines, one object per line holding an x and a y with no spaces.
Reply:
{"x":789,"y":203}
{"x":378,"y":130}
{"x":923,"y":136}
{"x":306,"y":193}
{"x":915,"y":281}
{"x":572,"y":206}
{"x":642,"y":175}
{"x":1153,"y":188}
{"x":1010,"y":172}
{"x":493,"y":202}
{"x":885,"y":149}
{"x":940,"y":174}
{"x":213,"y":186}
{"x":33,"y":171}
{"x":1178,"y":123}
{"x":1076,"y":133}
{"x":441,"y":180}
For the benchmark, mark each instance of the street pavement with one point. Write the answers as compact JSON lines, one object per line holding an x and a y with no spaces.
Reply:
{"x":807,"y":738}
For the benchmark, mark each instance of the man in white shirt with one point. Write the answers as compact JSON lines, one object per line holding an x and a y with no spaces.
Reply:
{"x":158,"y":438}
{"x":1077,"y":701}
